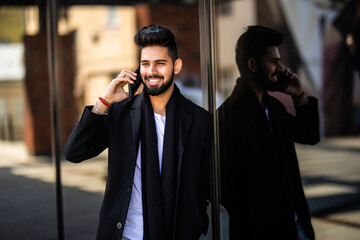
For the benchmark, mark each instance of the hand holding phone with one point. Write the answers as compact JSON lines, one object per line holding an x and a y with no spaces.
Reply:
{"x":115,"y":90}
{"x":290,"y":84}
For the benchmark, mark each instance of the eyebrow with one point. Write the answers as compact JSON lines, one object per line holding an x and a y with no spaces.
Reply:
{"x":157,"y":60}
{"x":275,"y":58}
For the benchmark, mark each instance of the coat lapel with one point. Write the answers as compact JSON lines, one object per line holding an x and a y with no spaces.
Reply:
{"x":184,"y":130}
{"x":184,"y":127}
{"x":135,"y":119}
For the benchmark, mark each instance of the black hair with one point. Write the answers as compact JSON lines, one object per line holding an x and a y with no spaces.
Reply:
{"x":254,"y":43}
{"x":157,"y":35}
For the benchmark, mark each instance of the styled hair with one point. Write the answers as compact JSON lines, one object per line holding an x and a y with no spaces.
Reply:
{"x":157,"y":35}
{"x":254,"y":43}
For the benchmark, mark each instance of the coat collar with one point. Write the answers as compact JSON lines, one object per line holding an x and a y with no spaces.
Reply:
{"x":244,"y":101}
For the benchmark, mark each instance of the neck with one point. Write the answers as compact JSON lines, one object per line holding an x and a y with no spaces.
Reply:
{"x":159,"y":102}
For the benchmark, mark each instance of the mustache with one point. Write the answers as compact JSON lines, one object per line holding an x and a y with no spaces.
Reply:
{"x":153,"y":76}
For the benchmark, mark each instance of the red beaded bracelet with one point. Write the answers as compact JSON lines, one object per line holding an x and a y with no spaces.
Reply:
{"x":105,"y":102}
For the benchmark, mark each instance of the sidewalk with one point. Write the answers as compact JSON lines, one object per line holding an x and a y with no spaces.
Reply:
{"x":28,"y":201}
{"x":331,"y":177}
{"x":330,"y":171}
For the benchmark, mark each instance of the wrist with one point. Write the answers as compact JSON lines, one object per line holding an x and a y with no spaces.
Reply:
{"x":107,"y":97}
{"x":99,"y":109}
{"x":105,"y":102}
{"x":300,"y":98}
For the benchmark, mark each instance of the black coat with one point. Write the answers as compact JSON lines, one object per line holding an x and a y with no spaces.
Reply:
{"x":119,"y":131}
{"x":260,"y":180}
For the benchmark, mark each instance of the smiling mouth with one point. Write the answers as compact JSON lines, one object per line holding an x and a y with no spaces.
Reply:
{"x":275,"y":76}
{"x":153,"y":79}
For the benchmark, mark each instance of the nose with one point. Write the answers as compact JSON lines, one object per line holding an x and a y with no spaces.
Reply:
{"x":152,"y":69}
{"x":280,"y":67}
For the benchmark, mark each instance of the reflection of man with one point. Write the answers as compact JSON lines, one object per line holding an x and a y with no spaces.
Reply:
{"x":159,"y":147}
{"x":261,"y":184}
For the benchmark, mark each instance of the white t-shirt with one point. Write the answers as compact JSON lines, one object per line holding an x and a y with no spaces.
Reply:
{"x":160,"y":130}
{"x":267,"y":113}
{"x":134,"y":224}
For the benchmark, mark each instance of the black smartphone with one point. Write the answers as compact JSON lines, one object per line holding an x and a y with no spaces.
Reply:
{"x":283,"y":82}
{"x":137,"y":82}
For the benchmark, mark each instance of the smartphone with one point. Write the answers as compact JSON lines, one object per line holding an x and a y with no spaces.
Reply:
{"x":283,"y":82}
{"x":137,"y":82}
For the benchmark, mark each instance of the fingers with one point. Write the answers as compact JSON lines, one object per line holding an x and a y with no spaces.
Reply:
{"x":124,"y":77}
{"x":294,"y":85}
{"x":127,"y":75}
{"x":115,"y":92}
{"x":288,"y":73}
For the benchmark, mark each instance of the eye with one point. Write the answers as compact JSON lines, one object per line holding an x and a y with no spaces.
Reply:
{"x":275,"y":61}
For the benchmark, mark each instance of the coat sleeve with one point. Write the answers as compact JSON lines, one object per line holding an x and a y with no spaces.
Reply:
{"x":88,"y":138}
{"x":306,"y":123}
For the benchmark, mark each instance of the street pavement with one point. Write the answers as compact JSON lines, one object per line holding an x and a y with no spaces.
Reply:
{"x":331,"y":177}
{"x":330,"y":171}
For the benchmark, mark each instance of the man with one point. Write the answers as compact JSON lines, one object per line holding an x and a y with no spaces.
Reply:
{"x":260,"y":179}
{"x":159,"y":148}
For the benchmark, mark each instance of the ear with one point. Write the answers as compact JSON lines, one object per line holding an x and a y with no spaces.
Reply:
{"x":252,"y":64}
{"x":178,"y":65}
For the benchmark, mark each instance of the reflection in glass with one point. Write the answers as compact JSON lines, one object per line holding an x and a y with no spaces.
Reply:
{"x":320,"y":47}
{"x":258,"y":158}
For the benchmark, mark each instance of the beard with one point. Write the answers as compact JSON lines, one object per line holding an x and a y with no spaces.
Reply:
{"x":154,"y":90}
{"x":265,"y":83}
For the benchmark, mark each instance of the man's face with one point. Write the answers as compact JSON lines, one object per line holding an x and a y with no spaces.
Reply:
{"x":266,"y":76}
{"x":156,"y":69}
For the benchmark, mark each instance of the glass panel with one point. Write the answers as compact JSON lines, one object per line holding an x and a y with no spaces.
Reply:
{"x":260,"y":184}
{"x":102,"y":38}
{"x":27,"y":198}
{"x":94,"y":44}
{"x":208,"y":72}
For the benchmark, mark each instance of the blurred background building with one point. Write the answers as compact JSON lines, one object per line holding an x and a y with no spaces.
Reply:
{"x":12,"y":73}
{"x":321,"y":46}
